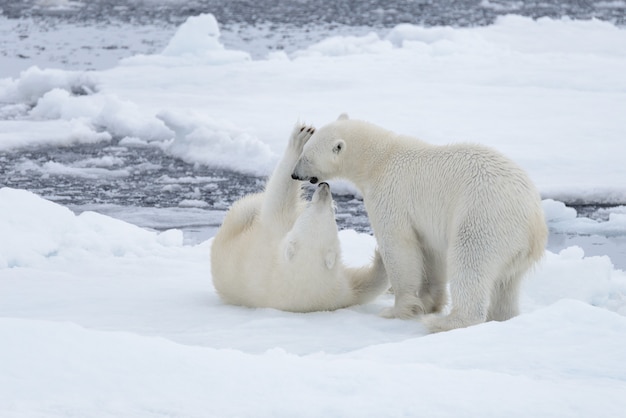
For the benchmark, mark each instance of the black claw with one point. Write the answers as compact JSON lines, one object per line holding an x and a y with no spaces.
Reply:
{"x":302,"y":128}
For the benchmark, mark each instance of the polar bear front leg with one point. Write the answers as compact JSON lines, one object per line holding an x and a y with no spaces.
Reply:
{"x":282,"y":193}
{"x":404,"y":263}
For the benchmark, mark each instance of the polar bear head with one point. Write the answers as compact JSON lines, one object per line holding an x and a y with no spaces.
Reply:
{"x":323,"y":154}
{"x":314,"y":234}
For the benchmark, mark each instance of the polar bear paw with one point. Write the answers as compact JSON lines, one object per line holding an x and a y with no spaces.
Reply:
{"x":407,"y":311}
{"x":440,"y":323}
{"x":300,"y":135}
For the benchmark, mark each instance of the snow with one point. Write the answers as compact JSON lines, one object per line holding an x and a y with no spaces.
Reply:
{"x":198,"y":139}
{"x":74,"y":373}
{"x":564,"y":220}
{"x":131,"y":326}
{"x":548,"y":93}
{"x":198,"y":39}
{"x":101,"y":317}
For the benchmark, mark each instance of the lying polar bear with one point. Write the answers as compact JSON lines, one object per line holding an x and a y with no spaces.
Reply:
{"x":273,"y":250}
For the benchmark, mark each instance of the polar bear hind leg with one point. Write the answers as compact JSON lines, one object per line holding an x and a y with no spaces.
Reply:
{"x":505,"y":294}
{"x":472,"y":276}
{"x":505,"y":299}
{"x":479,"y":290}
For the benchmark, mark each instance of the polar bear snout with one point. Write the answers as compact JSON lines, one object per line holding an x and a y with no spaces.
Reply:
{"x":297,"y":175}
{"x":313,"y":180}
{"x":322,"y":193}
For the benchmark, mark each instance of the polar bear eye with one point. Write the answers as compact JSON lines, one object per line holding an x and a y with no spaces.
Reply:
{"x":338,"y":147}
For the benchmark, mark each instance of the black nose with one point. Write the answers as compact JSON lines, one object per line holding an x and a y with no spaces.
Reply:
{"x":323,"y":184}
{"x":294,"y":176}
{"x":313,"y":180}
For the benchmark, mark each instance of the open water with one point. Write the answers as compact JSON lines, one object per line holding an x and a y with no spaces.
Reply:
{"x":373,"y":13}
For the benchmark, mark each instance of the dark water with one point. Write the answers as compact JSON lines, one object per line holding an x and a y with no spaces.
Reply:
{"x":286,"y":24}
{"x":139,"y":177}
{"x":373,"y":13}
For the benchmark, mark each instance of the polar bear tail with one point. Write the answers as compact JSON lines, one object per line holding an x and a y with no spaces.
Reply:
{"x":368,"y":282}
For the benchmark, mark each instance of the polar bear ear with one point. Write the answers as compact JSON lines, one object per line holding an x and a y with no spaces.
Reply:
{"x":339,"y":146}
{"x":343,"y":116}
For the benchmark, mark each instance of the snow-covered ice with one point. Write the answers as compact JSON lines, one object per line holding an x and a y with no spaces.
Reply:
{"x":548,"y":93}
{"x":99,"y":317}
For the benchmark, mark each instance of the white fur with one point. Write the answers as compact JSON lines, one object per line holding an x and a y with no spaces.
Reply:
{"x":273,"y":250}
{"x":462,"y":215}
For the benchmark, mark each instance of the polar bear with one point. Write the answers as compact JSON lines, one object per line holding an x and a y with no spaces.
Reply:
{"x":462,"y":215}
{"x":273,"y":250}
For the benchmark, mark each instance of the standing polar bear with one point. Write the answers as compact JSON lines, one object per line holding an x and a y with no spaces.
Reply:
{"x":459,"y":214}
{"x":273,"y":250}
